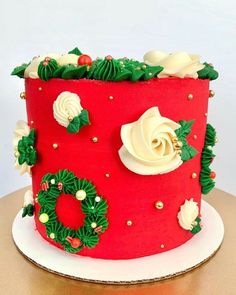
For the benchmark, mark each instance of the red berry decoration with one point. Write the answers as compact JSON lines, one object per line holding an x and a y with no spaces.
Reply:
{"x":212,"y":175}
{"x":75,"y":242}
{"x":84,"y":59}
{"x":109,"y":57}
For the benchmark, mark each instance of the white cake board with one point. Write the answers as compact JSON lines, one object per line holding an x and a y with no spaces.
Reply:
{"x":151,"y":268}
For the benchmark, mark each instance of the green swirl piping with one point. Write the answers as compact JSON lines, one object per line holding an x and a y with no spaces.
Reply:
{"x":207,"y":184}
{"x":47,"y":68}
{"x":93,"y":207}
{"x":26,"y":150}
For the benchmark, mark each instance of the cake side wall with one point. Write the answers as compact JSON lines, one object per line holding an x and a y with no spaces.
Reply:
{"x":130,"y":196}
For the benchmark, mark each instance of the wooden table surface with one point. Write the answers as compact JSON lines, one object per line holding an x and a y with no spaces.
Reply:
{"x":216,"y":276}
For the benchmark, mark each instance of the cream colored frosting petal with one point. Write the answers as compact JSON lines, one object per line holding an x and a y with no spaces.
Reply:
{"x":68,"y":58}
{"x":153,"y":58}
{"x":28,"y":198}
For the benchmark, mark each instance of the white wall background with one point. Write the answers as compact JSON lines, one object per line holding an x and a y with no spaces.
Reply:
{"x":120,"y":28}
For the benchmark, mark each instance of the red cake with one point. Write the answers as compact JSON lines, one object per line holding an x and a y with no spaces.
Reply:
{"x":118,"y":150}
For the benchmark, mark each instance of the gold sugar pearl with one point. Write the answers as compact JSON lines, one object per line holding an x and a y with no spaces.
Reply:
{"x":40,"y":88}
{"x":94,"y":139}
{"x":159,"y":205}
{"x":107,"y":175}
{"x":23,"y":95}
{"x":36,"y":200}
{"x":211,"y":93}
{"x":70,"y":118}
{"x":55,"y":145}
{"x":194,"y":175}
{"x":162,"y":246}
{"x":206,"y":114}
{"x":31,"y":122}
{"x":129,"y":222}
{"x":190,"y":96}
{"x":194,"y":136}
{"x":110,"y":97}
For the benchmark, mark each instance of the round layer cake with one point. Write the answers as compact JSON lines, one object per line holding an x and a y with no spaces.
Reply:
{"x":145,"y":201}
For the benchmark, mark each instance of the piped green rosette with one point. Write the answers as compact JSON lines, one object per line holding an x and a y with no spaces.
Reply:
{"x":46,"y":68}
{"x":196,"y":226}
{"x":206,"y":175}
{"x":26,"y":149}
{"x":94,"y":208}
{"x":187,"y":151}
{"x":208,"y":72}
{"x":79,"y":121}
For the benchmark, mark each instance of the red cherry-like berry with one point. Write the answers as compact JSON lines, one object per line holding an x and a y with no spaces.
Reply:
{"x":212,"y":175}
{"x":109,"y":57}
{"x":84,"y":59}
{"x":75,"y":243}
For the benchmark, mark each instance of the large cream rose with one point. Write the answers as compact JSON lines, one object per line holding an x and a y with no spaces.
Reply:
{"x":148,"y":144}
{"x":178,"y":64}
{"x":188,"y":214}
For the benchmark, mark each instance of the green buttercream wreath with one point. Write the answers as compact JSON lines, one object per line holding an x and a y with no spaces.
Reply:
{"x":93,"y":206}
{"x":26,"y":150}
{"x":206,"y":181}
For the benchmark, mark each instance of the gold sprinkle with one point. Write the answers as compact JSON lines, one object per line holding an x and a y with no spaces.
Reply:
{"x":162,"y":246}
{"x":23,"y":95}
{"x":159,"y":205}
{"x":107,"y":175}
{"x":194,"y":175}
{"x":194,"y":136}
{"x":40,"y":88}
{"x":70,"y":118}
{"x":206,"y":114}
{"x":36,"y":200}
{"x":55,"y":145}
{"x":31,"y":122}
{"x":190,"y":96}
{"x":211,"y":93}
{"x":110,"y":97}
{"x":129,"y":222}
{"x":94,"y":139}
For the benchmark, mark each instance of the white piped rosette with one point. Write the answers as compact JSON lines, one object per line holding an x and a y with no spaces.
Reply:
{"x":178,"y":64}
{"x":22,"y":129}
{"x":148,"y":147}
{"x":66,"y":107}
{"x":188,"y":213}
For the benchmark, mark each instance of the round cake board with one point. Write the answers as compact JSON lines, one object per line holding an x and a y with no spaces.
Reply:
{"x":146,"y":269}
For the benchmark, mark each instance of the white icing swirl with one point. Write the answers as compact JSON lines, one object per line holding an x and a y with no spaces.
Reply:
{"x":148,"y":147}
{"x":178,"y":64}
{"x":188,"y":214}
{"x":68,"y":58}
{"x":32,"y":69}
{"x":22,"y":129}
{"x":66,"y":107}
{"x":28,"y":198}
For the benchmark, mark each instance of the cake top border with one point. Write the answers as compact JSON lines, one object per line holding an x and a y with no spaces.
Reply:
{"x":74,"y":65}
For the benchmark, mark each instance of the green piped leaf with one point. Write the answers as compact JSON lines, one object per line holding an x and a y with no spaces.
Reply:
{"x":78,"y":122}
{"x":19,"y":71}
{"x":188,"y":152}
{"x":28,"y":210}
{"x":73,"y":72}
{"x":197,"y":228}
{"x":152,"y":72}
{"x":208,"y":72}
{"x":75,"y":51}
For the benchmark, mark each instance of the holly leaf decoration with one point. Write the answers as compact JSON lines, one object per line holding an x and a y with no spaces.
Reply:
{"x":75,"y":51}
{"x":79,"y":121}
{"x":26,"y":149}
{"x":28,"y":210}
{"x":188,"y":152}
{"x":196,"y":229}
{"x":19,"y":71}
{"x":152,"y":72}
{"x":208,"y":72}
{"x":73,"y":72}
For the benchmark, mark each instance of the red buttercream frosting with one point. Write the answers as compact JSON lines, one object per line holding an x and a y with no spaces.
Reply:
{"x":129,"y":196}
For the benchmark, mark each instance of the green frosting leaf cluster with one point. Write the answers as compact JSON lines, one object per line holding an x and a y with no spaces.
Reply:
{"x":79,"y":121}
{"x":208,"y":72}
{"x":46,"y":68}
{"x":207,"y":156}
{"x":19,"y":70}
{"x":93,"y":206}
{"x":27,"y":152}
{"x":187,"y":151}
{"x":28,"y":210}
{"x":197,"y":227}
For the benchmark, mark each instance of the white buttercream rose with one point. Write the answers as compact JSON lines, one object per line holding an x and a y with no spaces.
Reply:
{"x":68,"y":58}
{"x":188,"y":214}
{"x":32,"y":69}
{"x":148,"y":146}
{"x":66,"y":107}
{"x":22,"y":129}
{"x":28,"y":198}
{"x":178,"y":64}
